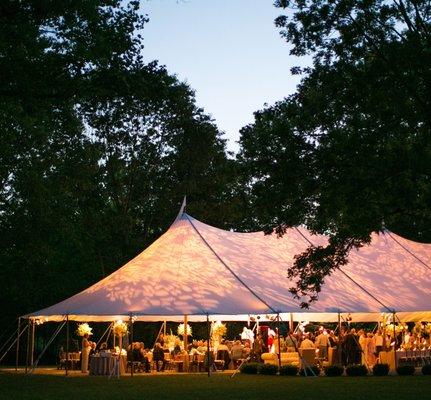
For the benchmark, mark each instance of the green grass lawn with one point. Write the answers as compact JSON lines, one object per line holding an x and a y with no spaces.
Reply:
{"x":220,"y":387}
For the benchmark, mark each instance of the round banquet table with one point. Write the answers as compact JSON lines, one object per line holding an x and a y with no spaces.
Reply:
{"x":106,"y":364}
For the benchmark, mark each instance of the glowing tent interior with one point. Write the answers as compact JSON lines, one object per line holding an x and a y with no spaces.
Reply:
{"x":197,"y":270}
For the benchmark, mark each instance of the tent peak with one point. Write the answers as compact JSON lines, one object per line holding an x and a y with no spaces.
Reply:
{"x":182,"y":209}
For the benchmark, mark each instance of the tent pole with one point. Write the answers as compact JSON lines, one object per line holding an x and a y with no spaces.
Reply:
{"x":164,"y":328}
{"x":186,"y":358}
{"x":291,"y":324}
{"x":279,"y":343}
{"x":208,"y":345}
{"x":131,"y":345}
{"x":339,"y":356}
{"x":395,"y":340}
{"x":67,"y":345}
{"x":33,"y":329}
{"x":17,"y":344}
{"x":28,"y":345}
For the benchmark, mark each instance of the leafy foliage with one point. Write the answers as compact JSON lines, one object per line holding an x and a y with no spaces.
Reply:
{"x":426,"y":369}
{"x":406,"y":370}
{"x":356,"y":370}
{"x":380,"y":369}
{"x":349,"y":153}
{"x":97,"y":148}
{"x":333,"y":370}
{"x":289,"y":370}
{"x":267,"y":369}
{"x":250,"y":368}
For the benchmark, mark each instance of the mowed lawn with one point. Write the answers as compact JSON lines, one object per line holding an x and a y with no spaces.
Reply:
{"x":220,"y":387}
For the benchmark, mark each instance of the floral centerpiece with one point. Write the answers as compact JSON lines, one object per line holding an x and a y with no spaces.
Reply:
{"x":120,"y":328}
{"x":401,"y":327}
{"x":219,"y":329}
{"x":180,"y":330}
{"x":84,"y":329}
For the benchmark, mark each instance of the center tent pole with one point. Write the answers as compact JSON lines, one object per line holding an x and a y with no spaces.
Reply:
{"x":208,"y":345}
{"x":67,"y":345}
{"x":131,"y":345}
{"x":17,"y":344}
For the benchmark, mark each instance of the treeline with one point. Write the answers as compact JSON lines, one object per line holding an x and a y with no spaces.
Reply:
{"x":98,"y":148}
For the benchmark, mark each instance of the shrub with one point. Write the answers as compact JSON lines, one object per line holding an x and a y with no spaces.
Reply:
{"x":380,"y":369}
{"x":356,"y":370}
{"x":333,"y":370}
{"x":426,"y":369}
{"x":315,"y":369}
{"x":406,"y":370}
{"x":289,"y":370}
{"x":250,"y":368}
{"x":267,"y":369}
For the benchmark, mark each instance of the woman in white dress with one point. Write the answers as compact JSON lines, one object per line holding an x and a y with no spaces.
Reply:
{"x":85,"y":354}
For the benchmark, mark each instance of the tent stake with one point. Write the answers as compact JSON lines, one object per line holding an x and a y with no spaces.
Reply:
{"x":17,"y":344}
{"x":208,"y":345}
{"x":67,"y":345}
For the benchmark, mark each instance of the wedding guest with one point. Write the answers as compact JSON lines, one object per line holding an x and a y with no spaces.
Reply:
{"x":161,"y":339}
{"x":362,"y":339}
{"x":291,"y":342}
{"x":177,"y":348}
{"x":202,"y":346}
{"x":257,"y":348}
{"x":371,"y":350}
{"x":85,"y":354}
{"x":306,"y":342}
{"x":378,"y":341}
{"x":322,"y":343}
{"x":353,"y":350}
{"x":159,"y":357}
{"x":237,"y":353}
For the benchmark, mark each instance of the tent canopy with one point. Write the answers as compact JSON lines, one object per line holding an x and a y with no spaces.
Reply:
{"x":197,"y":270}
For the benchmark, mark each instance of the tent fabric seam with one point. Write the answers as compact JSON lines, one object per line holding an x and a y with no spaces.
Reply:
{"x":229,"y":269}
{"x":350,"y":278}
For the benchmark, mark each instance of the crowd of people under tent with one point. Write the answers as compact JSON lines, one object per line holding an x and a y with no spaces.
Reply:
{"x":350,"y":346}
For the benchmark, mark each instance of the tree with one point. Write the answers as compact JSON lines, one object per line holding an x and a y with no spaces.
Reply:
{"x":97,"y":148}
{"x":349,"y":153}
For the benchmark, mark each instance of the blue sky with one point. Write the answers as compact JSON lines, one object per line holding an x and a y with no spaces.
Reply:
{"x":228,"y":51}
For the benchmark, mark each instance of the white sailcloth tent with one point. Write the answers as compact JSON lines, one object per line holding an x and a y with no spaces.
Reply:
{"x":197,"y":270}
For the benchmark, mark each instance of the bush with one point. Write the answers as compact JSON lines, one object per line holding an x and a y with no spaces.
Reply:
{"x":356,"y":370}
{"x":380,"y":369}
{"x":333,"y":370}
{"x":406,"y":370}
{"x":426,"y":369}
{"x":267,"y":369}
{"x":315,"y":369}
{"x":250,"y":368}
{"x":289,"y":370}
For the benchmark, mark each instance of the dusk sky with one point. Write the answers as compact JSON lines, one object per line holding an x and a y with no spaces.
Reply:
{"x":228,"y":51}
